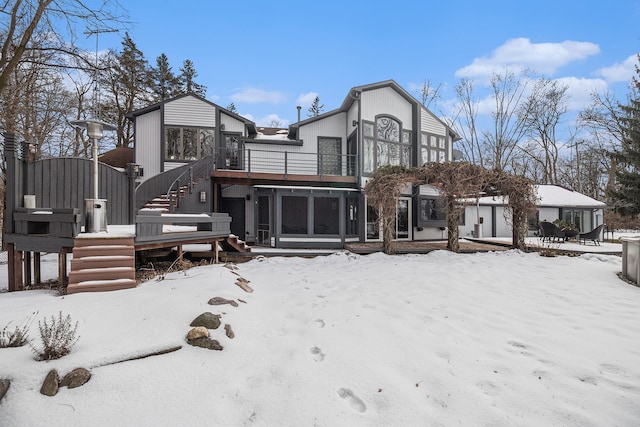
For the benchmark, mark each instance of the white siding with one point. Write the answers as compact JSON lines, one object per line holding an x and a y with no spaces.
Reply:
{"x":148,"y":143}
{"x":352,"y":115}
{"x":189,"y":111}
{"x":232,"y":124}
{"x":386,"y":101}
{"x":431,"y":124}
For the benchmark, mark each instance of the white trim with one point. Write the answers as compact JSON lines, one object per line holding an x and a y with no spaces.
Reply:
{"x":293,"y":187}
{"x":310,"y":239}
{"x":352,"y":239}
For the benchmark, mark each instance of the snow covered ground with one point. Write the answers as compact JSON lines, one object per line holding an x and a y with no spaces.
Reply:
{"x":493,"y":339}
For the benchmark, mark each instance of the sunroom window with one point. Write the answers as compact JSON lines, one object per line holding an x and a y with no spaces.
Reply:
{"x":188,"y":143}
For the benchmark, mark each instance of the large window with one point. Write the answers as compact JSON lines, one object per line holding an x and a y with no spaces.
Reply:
{"x":329,"y":156}
{"x":385,"y":143}
{"x":294,"y":215}
{"x":188,"y":143}
{"x":580,"y":218}
{"x":432,"y":210}
{"x":433,"y":148}
{"x":326,"y":216}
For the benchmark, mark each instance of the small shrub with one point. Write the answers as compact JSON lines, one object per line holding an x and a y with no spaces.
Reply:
{"x":58,"y":337}
{"x":17,"y":338}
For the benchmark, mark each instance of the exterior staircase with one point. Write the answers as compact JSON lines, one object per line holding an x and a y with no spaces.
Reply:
{"x":102,"y":264}
{"x":233,"y":243}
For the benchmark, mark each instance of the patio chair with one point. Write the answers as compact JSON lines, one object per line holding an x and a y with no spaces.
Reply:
{"x":551,"y":232}
{"x":593,"y":235}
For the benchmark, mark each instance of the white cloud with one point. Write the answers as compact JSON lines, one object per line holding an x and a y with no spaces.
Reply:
{"x":620,"y":71}
{"x":519,"y":54}
{"x":306,"y":99}
{"x":269,"y":119}
{"x":579,"y":91}
{"x":252,"y":95}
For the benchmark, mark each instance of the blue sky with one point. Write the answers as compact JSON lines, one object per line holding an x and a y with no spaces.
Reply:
{"x":269,"y":57}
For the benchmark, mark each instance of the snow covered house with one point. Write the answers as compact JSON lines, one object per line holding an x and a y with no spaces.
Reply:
{"x":302,"y":186}
{"x":554,"y":202}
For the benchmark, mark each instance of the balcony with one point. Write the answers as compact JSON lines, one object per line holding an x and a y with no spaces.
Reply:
{"x":258,"y":164}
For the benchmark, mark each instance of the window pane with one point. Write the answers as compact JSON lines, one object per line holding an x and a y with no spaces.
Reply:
{"x":352,"y":216}
{"x":394,"y":154}
{"x":434,"y":155}
{"x":369,"y":145}
{"x":406,"y":156}
{"x":441,"y":142}
{"x":329,"y":156}
{"x":434,"y":141}
{"x":424,"y":155}
{"x":294,"y":215}
{"x":387,"y":129}
{"x":172,"y":143}
{"x":382,"y":154}
{"x":207,"y":142}
{"x":368,"y":129}
{"x":373,"y":228}
{"x":326,"y":218}
{"x":441,"y":156}
{"x":424,"y":139}
{"x":190,"y":143}
{"x":406,"y":137}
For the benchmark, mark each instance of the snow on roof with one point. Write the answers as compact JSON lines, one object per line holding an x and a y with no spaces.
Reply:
{"x":553,"y":195}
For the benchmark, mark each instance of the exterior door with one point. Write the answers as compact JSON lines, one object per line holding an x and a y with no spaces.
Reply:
{"x":403,"y":219}
{"x":264,"y":220}
{"x":232,"y":152}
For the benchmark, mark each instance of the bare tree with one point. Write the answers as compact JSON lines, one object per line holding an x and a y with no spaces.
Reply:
{"x":56,"y":23}
{"x":508,"y":91}
{"x":466,"y":119}
{"x":541,"y":114}
{"x":429,"y":93}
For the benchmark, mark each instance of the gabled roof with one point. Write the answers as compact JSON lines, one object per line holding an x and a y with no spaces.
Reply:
{"x":133,"y":114}
{"x":354,"y":94}
{"x":118,"y":157}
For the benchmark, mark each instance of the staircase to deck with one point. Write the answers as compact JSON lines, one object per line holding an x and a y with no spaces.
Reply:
{"x":102,"y":264}
{"x":233,"y":243}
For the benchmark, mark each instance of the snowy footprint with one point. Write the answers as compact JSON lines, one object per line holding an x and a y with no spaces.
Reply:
{"x":354,"y":401}
{"x":319,"y":323}
{"x":318,"y":355}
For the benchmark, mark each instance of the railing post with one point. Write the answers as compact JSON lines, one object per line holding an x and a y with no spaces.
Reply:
{"x":249,"y":161}
{"x":286,"y":165}
{"x":320,"y":168}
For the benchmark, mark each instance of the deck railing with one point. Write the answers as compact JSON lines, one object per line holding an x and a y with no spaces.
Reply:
{"x":285,"y":162}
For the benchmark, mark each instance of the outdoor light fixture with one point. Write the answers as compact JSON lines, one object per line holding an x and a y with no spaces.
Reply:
{"x":354,"y":123}
{"x":203,"y":196}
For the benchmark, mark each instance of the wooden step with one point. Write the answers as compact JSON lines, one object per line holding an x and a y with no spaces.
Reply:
{"x":111,"y":273}
{"x":102,"y":261}
{"x":101,"y":285}
{"x":104,"y":250}
{"x":81,"y":242}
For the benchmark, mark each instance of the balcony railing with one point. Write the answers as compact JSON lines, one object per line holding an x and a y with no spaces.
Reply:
{"x":285,"y":162}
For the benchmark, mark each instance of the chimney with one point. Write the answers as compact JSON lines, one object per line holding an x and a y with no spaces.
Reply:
{"x":299,"y":108}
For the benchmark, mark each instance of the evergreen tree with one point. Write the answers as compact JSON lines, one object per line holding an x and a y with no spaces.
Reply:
{"x":165,"y":83}
{"x":189,"y":73}
{"x":128,"y":84}
{"x":232,"y":107}
{"x":316,"y":108}
{"x":626,"y":192}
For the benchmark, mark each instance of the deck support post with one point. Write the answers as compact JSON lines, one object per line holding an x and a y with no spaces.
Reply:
{"x":37,"y":270}
{"x":63,"y":278}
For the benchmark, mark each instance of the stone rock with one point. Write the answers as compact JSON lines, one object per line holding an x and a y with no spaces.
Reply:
{"x":50,"y":384}
{"x":221,"y":301}
{"x":197,"y":332}
{"x":228,"y":331}
{"x":207,"y":343}
{"x":208,"y":320}
{"x":75,"y":378}
{"x":4,"y":387}
{"x":244,"y":284}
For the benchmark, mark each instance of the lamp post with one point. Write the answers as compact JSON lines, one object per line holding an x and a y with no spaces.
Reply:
{"x":93,"y":207}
